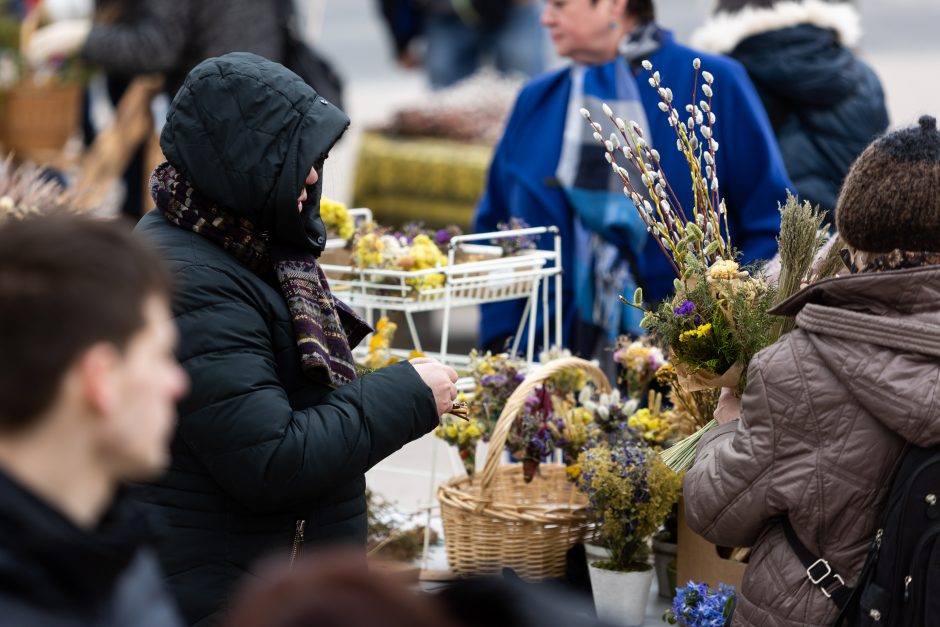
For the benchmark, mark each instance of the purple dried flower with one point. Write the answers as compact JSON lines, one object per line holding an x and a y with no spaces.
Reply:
{"x":685,"y":308}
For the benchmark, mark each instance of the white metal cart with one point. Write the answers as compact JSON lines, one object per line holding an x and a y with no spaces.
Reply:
{"x":488,"y":277}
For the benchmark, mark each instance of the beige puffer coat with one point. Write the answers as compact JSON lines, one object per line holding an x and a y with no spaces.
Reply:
{"x":824,"y":419}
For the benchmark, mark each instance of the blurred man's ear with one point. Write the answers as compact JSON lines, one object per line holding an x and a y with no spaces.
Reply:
{"x":96,"y":371}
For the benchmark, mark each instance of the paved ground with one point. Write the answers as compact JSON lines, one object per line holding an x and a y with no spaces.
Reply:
{"x":900,"y":43}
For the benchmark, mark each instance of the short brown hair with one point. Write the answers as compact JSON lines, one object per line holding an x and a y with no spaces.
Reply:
{"x":67,"y":282}
{"x":642,"y":10}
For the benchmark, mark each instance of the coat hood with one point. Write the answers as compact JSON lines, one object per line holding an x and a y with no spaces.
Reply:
{"x":879,"y":333}
{"x":724,"y":31}
{"x":800,"y":51}
{"x":245,"y":131}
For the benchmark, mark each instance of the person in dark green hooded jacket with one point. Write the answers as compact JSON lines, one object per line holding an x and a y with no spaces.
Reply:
{"x":277,"y":432}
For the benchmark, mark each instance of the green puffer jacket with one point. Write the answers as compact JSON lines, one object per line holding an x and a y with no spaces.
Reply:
{"x":259,"y":446}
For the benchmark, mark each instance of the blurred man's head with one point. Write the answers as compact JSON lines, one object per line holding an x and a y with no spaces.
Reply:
{"x":87,"y":344}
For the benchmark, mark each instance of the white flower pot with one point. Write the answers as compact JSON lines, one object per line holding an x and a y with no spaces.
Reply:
{"x":595,"y":553}
{"x":621,"y":598}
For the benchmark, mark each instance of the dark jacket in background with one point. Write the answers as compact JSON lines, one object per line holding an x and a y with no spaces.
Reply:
{"x":54,"y":574}
{"x":172,"y":37}
{"x":259,"y":446}
{"x":824,"y":103}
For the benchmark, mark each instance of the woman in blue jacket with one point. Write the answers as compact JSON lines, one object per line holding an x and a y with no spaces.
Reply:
{"x":548,"y":169}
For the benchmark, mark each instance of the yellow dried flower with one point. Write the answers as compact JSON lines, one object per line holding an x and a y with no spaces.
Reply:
{"x":336,"y":218}
{"x":699,"y":332}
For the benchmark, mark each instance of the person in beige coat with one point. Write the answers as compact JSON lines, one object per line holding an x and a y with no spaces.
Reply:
{"x":827,"y":409}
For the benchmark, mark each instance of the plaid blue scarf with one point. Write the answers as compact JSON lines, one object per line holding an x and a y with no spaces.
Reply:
{"x":604,"y":270}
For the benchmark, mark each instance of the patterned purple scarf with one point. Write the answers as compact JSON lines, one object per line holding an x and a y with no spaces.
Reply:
{"x":325,"y":327}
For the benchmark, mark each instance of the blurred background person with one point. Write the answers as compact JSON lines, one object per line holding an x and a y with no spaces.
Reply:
{"x":278,"y":431}
{"x":825,"y":104}
{"x":88,"y":386}
{"x":128,"y":38}
{"x":463,"y":35}
{"x":549,"y":170}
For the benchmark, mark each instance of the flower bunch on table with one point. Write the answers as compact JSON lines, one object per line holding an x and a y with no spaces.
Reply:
{"x":718,"y":317}
{"x":519,"y":243}
{"x":639,"y":360}
{"x":550,"y":420}
{"x":495,"y":378}
{"x":380,"y":354}
{"x":464,"y":435}
{"x":377,"y":247}
{"x":630,"y":492}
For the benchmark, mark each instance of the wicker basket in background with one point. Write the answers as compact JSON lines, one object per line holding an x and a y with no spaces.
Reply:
{"x":39,"y":114}
{"x":39,"y":118}
{"x":497,"y":520}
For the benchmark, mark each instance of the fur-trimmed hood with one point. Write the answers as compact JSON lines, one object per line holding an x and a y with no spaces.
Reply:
{"x":724,"y":31}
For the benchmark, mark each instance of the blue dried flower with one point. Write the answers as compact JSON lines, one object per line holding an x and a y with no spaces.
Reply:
{"x":686,"y":308}
{"x":697,"y":605}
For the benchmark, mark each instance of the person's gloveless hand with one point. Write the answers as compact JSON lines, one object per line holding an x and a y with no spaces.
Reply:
{"x":441,"y":378}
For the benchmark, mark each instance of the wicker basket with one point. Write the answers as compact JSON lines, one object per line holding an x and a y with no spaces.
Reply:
{"x":40,"y":118}
{"x":497,"y":520}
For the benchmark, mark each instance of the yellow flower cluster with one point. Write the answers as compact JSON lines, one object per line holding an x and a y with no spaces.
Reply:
{"x":574,"y":430}
{"x":379,"y":345}
{"x":423,"y":255}
{"x":655,"y":427}
{"x":701,"y":331}
{"x":373,"y":249}
{"x":460,"y":432}
{"x":336,"y":218}
{"x":369,"y":251}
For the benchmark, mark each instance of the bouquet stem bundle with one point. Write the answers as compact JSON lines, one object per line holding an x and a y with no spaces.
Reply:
{"x":679,"y":456}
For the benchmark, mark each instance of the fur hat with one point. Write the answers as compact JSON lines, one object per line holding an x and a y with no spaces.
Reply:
{"x":891,"y":197}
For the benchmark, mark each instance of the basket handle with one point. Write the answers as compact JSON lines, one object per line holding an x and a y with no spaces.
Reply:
{"x":517,"y":401}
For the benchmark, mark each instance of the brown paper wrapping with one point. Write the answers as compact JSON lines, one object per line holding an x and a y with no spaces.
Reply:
{"x":703,"y":380}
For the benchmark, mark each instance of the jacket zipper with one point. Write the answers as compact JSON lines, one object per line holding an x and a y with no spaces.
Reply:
{"x":903,"y":498}
{"x":912,"y":587}
{"x":298,"y":541}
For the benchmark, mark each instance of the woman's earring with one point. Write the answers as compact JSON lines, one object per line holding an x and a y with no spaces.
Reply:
{"x":614,"y":25}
